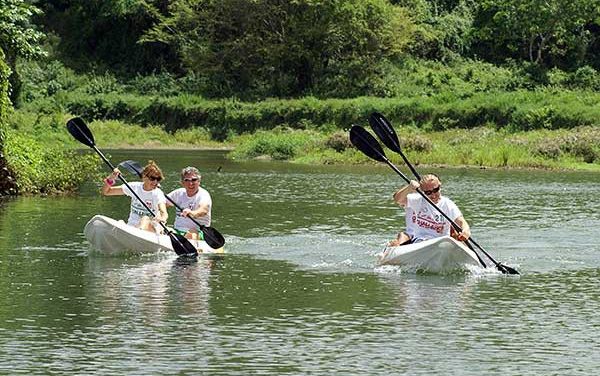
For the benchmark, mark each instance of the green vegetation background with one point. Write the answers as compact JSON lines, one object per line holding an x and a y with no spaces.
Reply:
{"x":501,"y":83}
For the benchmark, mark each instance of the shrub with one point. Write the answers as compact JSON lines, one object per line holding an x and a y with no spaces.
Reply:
{"x":41,"y":169}
{"x":338,"y":141}
{"x":102,"y":84}
{"x":549,"y":149}
{"x":279,"y":144}
{"x":156,"y":84}
{"x":582,"y":142}
{"x":417,"y":143}
{"x":585,"y":78}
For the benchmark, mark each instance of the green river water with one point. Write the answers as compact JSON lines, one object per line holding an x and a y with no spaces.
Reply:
{"x":299,"y":292}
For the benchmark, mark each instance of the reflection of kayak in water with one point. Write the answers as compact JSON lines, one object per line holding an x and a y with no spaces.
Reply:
{"x":438,"y":255}
{"x":115,"y":237}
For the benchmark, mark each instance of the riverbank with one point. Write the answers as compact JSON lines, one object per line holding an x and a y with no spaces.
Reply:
{"x":481,"y":147}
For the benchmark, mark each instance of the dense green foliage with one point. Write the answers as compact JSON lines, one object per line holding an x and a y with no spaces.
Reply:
{"x":103,"y":35}
{"x":4,"y":101}
{"x":25,"y":165}
{"x":431,"y":96}
{"x":556,"y":33}
{"x":19,"y":37}
{"x":257,"y":49}
{"x":334,"y":48}
{"x":286,"y":78}
{"x":40,"y":168}
{"x":7,"y":185}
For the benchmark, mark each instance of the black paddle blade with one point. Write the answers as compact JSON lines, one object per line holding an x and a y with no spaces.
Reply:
{"x":365,"y":142}
{"x":182,"y":246}
{"x":212,"y":237}
{"x":132,"y":166}
{"x":506,"y":269}
{"x":80,"y":131}
{"x":384,"y":130}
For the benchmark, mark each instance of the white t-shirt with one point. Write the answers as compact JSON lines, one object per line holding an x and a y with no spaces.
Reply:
{"x":423,"y":221}
{"x":152,"y":198}
{"x":184,"y":201}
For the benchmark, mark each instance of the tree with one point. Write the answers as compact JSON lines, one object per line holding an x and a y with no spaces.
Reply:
{"x":542,"y":31}
{"x":18,"y":37}
{"x":444,"y":28}
{"x":284,"y":48}
{"x":104,"y":35}
{"x":7,"y":183}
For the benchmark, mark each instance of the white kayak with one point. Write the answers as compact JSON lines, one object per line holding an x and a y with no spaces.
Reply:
{"x":113,"y":237}
{"x":438,"y":255}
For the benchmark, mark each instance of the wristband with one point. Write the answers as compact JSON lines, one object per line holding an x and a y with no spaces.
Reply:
{"x":109,"y":181}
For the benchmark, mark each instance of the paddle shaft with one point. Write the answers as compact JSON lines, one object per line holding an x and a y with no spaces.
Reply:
{"x":410,"y":166}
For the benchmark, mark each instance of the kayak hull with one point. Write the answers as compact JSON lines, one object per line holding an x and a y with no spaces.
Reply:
{"x":112,"y":237}
{"x":438,"y":255}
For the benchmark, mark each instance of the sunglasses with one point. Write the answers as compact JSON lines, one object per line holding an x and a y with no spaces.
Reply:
{"x":432,"y":191}
{"x":187,"y":180}
{"x":154,"y":178}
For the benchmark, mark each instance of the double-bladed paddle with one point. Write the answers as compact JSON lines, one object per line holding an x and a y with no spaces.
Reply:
{"x":211,"y":236}
{"x":366,"y":143}
{"x":80,"y":131}
{"x":386,"y":133}
{"x":384,"y":130}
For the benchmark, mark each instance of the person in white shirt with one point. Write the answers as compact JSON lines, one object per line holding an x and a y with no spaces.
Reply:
{"x":148,"y":191}
{"x":194,"y":201}
{"x":423,"y":221}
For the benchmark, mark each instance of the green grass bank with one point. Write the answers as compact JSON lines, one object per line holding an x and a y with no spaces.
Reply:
{"x":486,"y":146}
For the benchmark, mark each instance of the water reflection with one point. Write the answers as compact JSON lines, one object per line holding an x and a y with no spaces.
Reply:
{"x":150,"y":290}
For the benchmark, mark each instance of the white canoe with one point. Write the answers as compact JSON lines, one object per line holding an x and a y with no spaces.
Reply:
{"x":438,"y":255}
{"x":113,"y":237}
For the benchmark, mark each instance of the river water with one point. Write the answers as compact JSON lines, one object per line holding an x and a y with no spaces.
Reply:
{"x":299,"y":292}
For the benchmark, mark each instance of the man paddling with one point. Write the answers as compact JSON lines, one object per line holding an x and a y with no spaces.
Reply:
{"x":423,"y":221}
{"x":194,"y":201}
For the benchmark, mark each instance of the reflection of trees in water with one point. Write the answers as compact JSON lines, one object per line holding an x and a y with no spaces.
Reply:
{"x":37,"y":221}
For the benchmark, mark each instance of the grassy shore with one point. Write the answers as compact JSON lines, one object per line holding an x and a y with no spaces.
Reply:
{"x":574,"y":149}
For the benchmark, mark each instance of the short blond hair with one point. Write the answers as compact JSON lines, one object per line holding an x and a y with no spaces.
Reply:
{"x":429,"y":177}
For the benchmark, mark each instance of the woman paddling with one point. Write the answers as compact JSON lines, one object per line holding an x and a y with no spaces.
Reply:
{"x":148,"y":191}
{"x":423,"y":221}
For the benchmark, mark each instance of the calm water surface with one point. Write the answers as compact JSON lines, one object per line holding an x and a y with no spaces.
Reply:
{"x":299,"y":292}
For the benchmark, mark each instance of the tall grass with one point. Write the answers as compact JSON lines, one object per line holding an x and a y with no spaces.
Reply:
{"x":480,"y":147}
